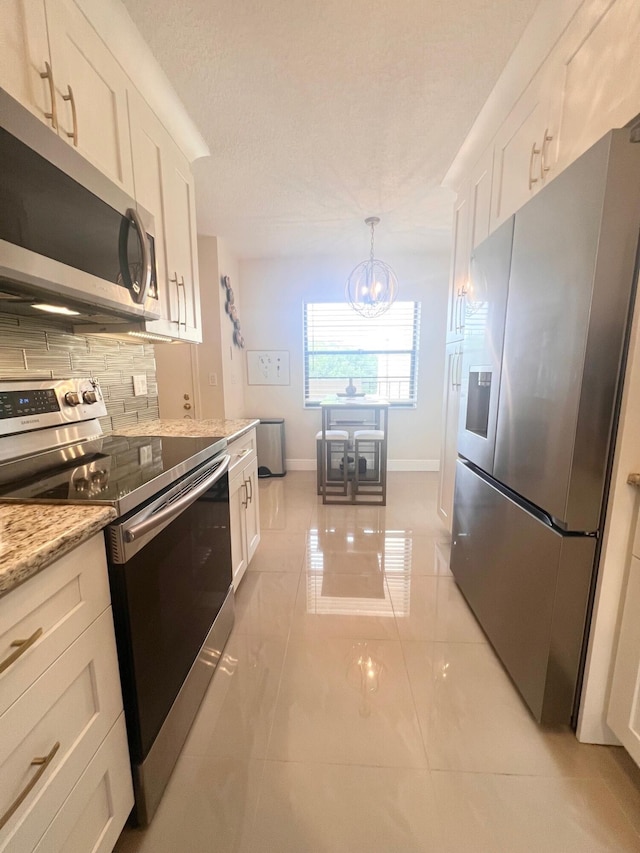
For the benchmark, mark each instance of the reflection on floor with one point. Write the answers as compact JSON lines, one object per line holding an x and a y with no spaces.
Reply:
{"x":358,"y":707}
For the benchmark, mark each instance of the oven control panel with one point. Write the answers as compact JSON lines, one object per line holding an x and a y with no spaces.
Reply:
{"x":33,"y":405}
{"x":14,"y":404}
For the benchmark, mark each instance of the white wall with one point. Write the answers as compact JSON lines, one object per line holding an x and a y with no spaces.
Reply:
{"x":207,"y":356}
{"x":273,"y":293}
{"x":232,"y":358}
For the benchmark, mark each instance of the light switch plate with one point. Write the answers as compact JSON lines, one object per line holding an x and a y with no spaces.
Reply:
{"x":139,"y":385}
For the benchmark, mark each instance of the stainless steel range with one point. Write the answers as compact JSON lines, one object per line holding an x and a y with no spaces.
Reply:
{"x":169,"y":551}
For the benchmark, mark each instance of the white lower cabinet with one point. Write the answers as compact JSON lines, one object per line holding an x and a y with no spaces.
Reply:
{"x":244,"y":505}
{"x":624,"y":703}
{"x":64,"y":701}
{"x":90,"y":818}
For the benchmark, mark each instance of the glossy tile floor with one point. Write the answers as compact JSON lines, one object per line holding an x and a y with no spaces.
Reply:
{"x":358,"y":707}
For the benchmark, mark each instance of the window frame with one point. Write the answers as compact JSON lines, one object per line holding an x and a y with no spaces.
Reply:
{"x":413,"y":353}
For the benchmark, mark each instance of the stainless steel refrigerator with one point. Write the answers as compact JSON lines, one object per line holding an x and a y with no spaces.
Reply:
{"x":547,"y":324}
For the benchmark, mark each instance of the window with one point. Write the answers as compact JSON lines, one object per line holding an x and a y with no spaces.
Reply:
{"x":380,"y":354}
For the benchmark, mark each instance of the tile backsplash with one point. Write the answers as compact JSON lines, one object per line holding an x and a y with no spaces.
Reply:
{"x":31,"y":348}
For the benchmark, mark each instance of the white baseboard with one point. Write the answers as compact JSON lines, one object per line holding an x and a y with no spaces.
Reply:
{"x":392,"y":465}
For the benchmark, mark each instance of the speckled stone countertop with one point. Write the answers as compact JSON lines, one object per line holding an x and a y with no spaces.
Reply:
{"x":34,"y":535}
{"x":633,"y":479}
{"x":214,"y":427}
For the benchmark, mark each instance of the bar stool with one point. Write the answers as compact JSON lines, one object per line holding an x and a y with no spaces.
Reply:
{"x":373,"y":441}
{"x":323,"y":461}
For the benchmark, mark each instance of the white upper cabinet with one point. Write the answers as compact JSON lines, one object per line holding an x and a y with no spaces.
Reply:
{"x":459,"y":266}
{"x":149,"y":141}
{"x":91,"y":90}
{"x":524,"y":149}
{"x":25,"y":63}
{"x":598,"y":83}
{"x":181,"y":242}
{"x":164,"y":186}
{"x":480,"y":199}
{"x":54,"y":63}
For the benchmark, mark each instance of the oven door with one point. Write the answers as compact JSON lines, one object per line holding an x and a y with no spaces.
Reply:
{"x":170,"y":574}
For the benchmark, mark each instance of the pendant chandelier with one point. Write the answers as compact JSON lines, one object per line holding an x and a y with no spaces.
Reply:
{"x":372,"y":286}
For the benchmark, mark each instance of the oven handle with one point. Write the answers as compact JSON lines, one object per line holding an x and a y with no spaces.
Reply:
{"x":168,"y":512}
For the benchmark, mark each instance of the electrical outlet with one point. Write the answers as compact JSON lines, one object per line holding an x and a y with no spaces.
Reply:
{"x":139,"y":385}
{"x":213,"y":379}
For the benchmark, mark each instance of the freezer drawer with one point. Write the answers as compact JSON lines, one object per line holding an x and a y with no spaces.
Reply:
{"x":528,"y":585}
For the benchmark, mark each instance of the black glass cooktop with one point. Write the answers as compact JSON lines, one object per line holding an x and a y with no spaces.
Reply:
{"x":120,"y":471}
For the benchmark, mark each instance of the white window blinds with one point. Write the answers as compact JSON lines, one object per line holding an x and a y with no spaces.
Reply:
{"x":379,"y":354}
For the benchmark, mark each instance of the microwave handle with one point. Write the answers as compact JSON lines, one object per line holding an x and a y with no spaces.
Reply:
{"x":136,"y":530}
{"x":133,"y":215}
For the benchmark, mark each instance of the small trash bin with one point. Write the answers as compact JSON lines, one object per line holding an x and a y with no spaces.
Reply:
{"x":271,"y":458}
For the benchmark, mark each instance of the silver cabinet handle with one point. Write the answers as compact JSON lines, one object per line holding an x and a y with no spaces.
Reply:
{"x":544,"y":168}
{"x":53,"y":115}
{"x":249,"y":490}
{"x":42,"y":763}
{"x":454,"y":363}
{"x":175,"y":508}
{"x":69,"y":97}
{"x":534,"y":152}
{"x":22,"y":646}
{"x":184,"y":295}
{"x":245,"y":502}
{"x":174,"y":280}
{"x":459,"y":382}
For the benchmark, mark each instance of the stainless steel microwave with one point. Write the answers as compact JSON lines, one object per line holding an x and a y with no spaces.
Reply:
{"x":69,"y":237}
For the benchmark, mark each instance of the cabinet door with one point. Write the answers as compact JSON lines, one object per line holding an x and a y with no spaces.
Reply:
{"x":175,"y":369}
{"x":149,"y":142}
{"x":459,"y":267}
{"x":73,"y":704}
{"x":451,"y":398}
{"x":238,"y":501}
{"x":599,"y":82}
{"x":524,"y":147}
{"x":24,"y":56}
{"x":94,"y":813}
{"x":91,"y":93}
{"x":480,"y":199}
{"x":253,"y":508}
{"x":181,"y":240}
{"x":624,"y":705}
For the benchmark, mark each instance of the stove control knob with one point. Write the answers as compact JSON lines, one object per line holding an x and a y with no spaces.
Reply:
{"x":90,"y":397}
{"x":72,"y":398}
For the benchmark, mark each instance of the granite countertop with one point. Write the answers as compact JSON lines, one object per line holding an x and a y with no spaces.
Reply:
{"x":34,"y":535}
{"x":214,"y":427}
{"x":633,"y":479}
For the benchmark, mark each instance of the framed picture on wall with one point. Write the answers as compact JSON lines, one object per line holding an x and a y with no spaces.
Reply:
{"x":268,"y":367}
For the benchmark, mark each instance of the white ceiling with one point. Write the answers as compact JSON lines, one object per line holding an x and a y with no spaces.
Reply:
{"x":319,"y":114}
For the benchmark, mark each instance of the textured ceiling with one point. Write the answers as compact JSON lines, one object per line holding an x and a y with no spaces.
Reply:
{"x":319,"y":114}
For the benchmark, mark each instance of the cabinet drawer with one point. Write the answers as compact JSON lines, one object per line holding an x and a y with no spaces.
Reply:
{"x":74,"y":704}
{"x":242,"y":450}
{"x":93,"y":815}
{"x":60,"y":602}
